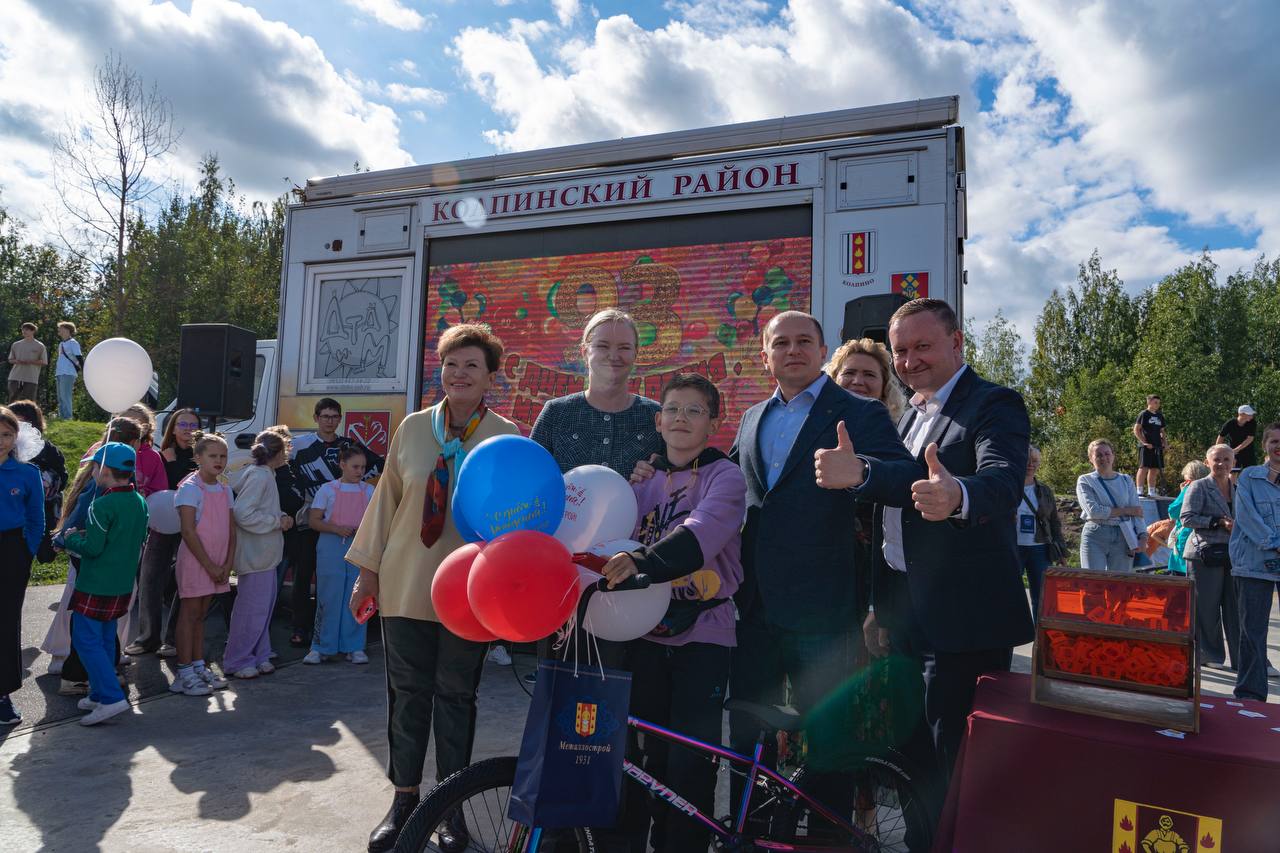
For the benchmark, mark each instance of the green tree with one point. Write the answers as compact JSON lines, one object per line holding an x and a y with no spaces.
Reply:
{"x":1094,"y":324}
{"x":997,"y":353}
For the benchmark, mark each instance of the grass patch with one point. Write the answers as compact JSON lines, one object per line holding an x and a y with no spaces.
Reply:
{"x":73,"y":438}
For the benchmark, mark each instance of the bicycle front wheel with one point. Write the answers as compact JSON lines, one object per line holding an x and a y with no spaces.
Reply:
{"x":475,"y":800}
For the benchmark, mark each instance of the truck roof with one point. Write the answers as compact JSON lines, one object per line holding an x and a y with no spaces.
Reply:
{"x":923,"y":114}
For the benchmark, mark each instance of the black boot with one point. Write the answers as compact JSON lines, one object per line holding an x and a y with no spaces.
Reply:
{"x":384,"y":835}
{"x":453,"y":835}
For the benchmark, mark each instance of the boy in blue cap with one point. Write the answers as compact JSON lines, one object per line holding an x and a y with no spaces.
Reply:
{"x":109,"y":548}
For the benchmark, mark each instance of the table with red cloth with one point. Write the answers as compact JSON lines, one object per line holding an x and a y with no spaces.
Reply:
{"x":1032,"y":779}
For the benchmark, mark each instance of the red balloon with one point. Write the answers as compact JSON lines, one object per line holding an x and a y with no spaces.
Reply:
{"x":449,"y":594}
{"x":523,"y":586}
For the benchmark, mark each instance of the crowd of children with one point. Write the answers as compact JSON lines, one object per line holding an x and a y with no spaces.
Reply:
{"x":228,"y":527}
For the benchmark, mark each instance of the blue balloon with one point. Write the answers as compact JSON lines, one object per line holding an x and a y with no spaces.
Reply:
{"x":464,"y":527}
{"x":508,"y":483}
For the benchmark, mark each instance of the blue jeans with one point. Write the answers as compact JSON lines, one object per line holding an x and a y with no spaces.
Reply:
{"x":1102,"y":548}
{"x":336,"y":630}
{"x":1035,"y":559}
{"x":66,"y":384}
{"x":1254,"y":596}
{"x":95,"y":643}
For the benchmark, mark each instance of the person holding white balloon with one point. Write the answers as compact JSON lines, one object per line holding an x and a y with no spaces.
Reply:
{"x":604,"y":425}
{"x":75,"y":512}
{"x":689,"y":527}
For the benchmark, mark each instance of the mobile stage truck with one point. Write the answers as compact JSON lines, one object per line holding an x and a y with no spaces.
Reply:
{"x":701,"y":235}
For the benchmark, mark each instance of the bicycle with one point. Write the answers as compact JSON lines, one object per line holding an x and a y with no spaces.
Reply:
{"x":774,"y":812}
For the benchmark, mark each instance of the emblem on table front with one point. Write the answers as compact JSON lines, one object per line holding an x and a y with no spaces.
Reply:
{"x":1142,"y":828}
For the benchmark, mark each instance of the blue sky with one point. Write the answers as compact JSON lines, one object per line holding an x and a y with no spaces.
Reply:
{"x":1143,"y":129}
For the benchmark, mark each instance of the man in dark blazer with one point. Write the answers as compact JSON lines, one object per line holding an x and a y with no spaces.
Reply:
{"x":948,"y":586}
{"x":797,"y":605}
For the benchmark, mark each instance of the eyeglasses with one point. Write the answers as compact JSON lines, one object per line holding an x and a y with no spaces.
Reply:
{"x":328,"y":417}
{"x":187,"y":424}
{"x":688,"y":412}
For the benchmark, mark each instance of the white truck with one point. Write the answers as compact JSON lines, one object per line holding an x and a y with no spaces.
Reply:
{"x":701,"y":235}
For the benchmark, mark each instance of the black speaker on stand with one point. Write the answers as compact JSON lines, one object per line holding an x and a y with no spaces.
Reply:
{"x":215,"y":371}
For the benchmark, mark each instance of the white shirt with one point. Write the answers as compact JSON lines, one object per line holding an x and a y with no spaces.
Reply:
{"x":1027,"y":516}
{"x":65,"y":348}
{"x":927,"y":412}
{"x":191,"y":493}
{"x":328,"y":494}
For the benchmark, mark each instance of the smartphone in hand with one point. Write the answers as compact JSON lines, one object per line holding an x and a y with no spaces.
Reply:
{"x":367,"y":608}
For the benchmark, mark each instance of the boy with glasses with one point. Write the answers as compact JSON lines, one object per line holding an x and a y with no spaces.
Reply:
{"x":314,"y":461}
{"x":690,"y":517}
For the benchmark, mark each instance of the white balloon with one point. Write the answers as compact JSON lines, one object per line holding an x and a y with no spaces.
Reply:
{"x":162,"y":515}
{"x":598,"y":505}
{"x":623,"y":616}
{"x":117,"y":373}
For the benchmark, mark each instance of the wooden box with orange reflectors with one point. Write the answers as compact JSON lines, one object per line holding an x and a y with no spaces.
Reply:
{"x":1118,"y":645}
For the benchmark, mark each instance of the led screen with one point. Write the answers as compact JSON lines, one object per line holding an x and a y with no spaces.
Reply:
{"x":699,"y":308}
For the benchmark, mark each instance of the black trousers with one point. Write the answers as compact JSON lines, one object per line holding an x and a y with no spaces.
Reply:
{"x":682,"y":688}
{"x":432,"y":678}
{"x":302,"y":557}
{"x":950,"y":678}
{"x":157,"y":586}
{"x":15,"y":572}
{"x":768,"y":659}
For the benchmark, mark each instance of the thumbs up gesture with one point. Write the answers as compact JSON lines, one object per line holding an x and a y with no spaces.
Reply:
{"x":938,"y":497}
{"x":839,"y":467}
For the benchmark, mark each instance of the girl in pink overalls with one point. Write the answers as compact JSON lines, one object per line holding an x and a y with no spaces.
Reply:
{"x":204,"y":560}
{"x":335,"y":514}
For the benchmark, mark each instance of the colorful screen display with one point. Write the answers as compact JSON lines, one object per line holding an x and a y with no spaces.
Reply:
{"x":699,"y":309}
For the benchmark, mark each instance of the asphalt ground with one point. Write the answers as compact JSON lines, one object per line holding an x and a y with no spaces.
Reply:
{"x":289,"y":761}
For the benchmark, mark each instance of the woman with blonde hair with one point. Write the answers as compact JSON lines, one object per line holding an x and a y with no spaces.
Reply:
{"x":865,"y":367}
{"x":1207,"y":512}
{"x":1108,"y":506}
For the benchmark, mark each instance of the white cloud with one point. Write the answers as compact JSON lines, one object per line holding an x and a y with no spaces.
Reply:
{"x":255,"y":92}
{"x":402,"y":94}
{"x":407,"y":66}
{"x":1099,"y":116}
{"x":566,"y":10}
{"x":392,"y":13}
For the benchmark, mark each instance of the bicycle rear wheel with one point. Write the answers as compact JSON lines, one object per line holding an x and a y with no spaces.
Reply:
{"x":478,"y":795}
{"x":891,"y":811}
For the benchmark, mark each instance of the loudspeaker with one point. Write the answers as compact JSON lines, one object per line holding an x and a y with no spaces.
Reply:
{"x":868,"y":317}
{"x":215,"y":370}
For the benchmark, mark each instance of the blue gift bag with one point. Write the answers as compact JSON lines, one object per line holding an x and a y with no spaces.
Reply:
{"x":570,"y":767}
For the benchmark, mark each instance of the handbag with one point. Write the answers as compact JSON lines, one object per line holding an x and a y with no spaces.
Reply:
{"x":1055,"y":551}
{"x":1215,"y":555}
{"x":569,"y":772}
{"x":1125,"y":525}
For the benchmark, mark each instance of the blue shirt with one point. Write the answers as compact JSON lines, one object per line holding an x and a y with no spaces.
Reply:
{"x":22,"y":500}
{"x":781,"y":423}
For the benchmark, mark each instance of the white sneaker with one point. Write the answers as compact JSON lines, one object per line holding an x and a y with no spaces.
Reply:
{"x":104,"y":712}
{"x":211,"y":678}
{"x":55,"y":665}
{"x":499,"y":655}
{"x":86,"y":704}
{"x":247,"y":672}
{"x":190,"y":686}
{"x":312,"y":657}
{"x":358,"y":657}
{"x":266,"y":668}
{"x":1272,"y":672}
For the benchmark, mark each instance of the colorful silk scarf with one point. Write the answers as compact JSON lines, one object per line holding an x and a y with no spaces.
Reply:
{"x":437,"y":497}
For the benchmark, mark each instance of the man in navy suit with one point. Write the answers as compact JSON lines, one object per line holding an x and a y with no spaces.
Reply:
{"x":798,"y":608}
{"x":948,"y":586}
